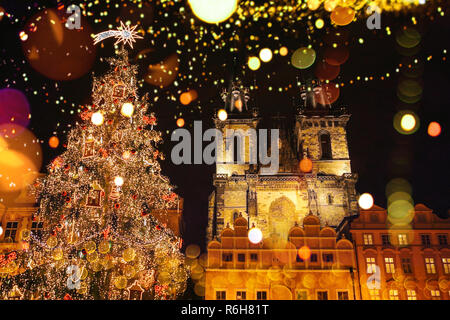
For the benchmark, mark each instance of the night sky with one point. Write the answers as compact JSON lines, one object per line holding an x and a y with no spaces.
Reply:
{"x":376,"y":148}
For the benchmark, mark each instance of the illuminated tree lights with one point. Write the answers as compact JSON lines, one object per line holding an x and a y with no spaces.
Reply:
{"x":99,"y":239}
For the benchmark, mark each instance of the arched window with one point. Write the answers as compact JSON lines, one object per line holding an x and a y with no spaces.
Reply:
{"x":236,"y":149}
{"x":235,"y":215}
{"x":325,"y":146}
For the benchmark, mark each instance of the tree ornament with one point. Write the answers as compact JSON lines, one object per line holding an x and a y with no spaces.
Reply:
{"x":52,"y":242}
{"x":95,"y":196}
{"x":104,"y":247}
{"x":121,"y":282}
{"x":90,"y":246}
{"x":129,"y":271}
{"x":57,"y":254}
{"x":118,"y":91}
{"x":88,"y":146}
{"x":129,"y":254}
{"x":92,"y":256}
{"x":115,"y":192}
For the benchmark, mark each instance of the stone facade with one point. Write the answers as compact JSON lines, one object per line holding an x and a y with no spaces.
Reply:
{"x":272,"y":270}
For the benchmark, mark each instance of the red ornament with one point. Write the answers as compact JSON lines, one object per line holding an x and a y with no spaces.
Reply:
{"x":117,"y":205}
{"x":85,"y":115}
{"x":67,"y":297}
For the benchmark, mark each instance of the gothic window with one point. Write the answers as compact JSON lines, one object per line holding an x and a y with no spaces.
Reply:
{"x":325,"y":146}
{"x":236,"y":151}
{"x":330,"y":198}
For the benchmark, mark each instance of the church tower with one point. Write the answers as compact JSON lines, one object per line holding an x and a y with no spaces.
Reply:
{"x":276,"y":202}
{"x":229,"y":200}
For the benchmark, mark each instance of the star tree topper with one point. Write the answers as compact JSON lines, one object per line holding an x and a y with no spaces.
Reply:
{"x":124,"y":34}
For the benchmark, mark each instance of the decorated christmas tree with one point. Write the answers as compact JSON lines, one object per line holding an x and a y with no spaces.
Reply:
{"x":100,"y":240}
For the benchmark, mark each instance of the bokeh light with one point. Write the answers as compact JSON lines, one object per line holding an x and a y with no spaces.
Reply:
{"x":23,"y":36}
{"x":53,"y":142}
{"x":265,"y":55}
{"x":118,"y":181}
{"x":329,"y":5}
{"x":254,"y":63}
{"x":163,"y":74}
{"x":406,"y":122}
{"x":303,"y":58}
{"x":97,"y":118}
{"x":56,"y":51}
{"x":304,"y":252}
{"x":222,"y":115}
{"x":180,"y":122}
{"x":192,"y":251}
{"x":342,"y":16}
{"x":325,"y":71}
{"x":365,"y":201}
{"x":400,"y":203}
{"x":20,"y":158}
{"x":187,"y":97}
{"x":408,"y":37}
{"x":280,"y":292}
{"x":284,"y":51}
{"x":306,"y":165}
{"x":319,"y":23}
{"x":14,"y":107}
{"x":434,"y":129}
{"x":127,"y":109}
{"x":336,"y":56}
{"x":213,"y":11}
{"x":255,"y":235}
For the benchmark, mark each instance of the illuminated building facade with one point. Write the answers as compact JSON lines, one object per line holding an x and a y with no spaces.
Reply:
{"x":273,"y":269}
{"x":408,"y":262}
{"x":350,"y":254}
{"x":273,"y":202}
